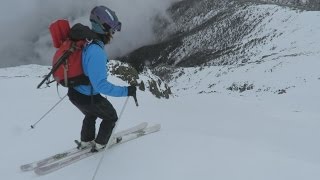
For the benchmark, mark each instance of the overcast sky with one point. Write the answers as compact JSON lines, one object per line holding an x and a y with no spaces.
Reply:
{"x":24,"y":35}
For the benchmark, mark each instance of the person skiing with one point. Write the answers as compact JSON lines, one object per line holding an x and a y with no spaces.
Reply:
{"x":87,"y":98}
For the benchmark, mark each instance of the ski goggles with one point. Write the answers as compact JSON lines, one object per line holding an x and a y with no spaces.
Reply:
{"x":113,"y":29}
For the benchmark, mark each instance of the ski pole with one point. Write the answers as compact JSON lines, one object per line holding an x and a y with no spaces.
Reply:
{"x":110,"y":139}
{"x":135,"y":100}
{"x":135,"y":94}
{"x":34,"y":125}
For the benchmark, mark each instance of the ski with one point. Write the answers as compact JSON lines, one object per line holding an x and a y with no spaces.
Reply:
{"x":33,"y":165}
{"x":42,"y":170}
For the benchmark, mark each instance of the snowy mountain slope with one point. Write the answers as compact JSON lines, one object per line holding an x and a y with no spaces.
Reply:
{"x":235,"y":47}
{"x":206,"y":136}
{"x":287,"y":57}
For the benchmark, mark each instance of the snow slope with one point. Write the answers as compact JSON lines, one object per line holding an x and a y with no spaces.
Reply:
{"x":207,"y":136}
{"x":280,"y":54}
{"x":226,"y":135}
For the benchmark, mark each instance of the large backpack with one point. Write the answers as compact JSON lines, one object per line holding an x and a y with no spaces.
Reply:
{"x":67,"y":60}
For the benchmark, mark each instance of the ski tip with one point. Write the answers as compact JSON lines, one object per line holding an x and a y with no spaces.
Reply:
{"x":158,"y":126}
{"x":145,"y":124}
{"x":154,"y":128}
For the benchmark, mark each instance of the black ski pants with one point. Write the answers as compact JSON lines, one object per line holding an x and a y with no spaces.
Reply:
{"x":94,"y":107}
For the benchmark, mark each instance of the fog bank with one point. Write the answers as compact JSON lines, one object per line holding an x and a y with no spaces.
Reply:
{"x":25,"y":38}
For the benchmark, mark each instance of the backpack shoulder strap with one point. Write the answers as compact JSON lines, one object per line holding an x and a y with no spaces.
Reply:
{"x":97,"y":43}
{"x":94,"y":41}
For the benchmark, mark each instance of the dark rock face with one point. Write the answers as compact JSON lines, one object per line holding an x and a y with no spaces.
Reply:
{"x":199,"y":33}
{"x":203,"y":32}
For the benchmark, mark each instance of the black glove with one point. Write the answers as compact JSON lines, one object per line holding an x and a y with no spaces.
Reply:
{"x":132,"y":90}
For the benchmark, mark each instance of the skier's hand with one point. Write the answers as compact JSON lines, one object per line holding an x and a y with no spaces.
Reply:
{"x":132,"y":91}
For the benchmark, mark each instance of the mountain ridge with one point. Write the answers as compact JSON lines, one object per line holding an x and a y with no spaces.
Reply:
{"x":230,"y":37}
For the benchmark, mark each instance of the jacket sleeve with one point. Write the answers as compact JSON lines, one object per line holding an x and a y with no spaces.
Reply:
{"x":95,"y":61}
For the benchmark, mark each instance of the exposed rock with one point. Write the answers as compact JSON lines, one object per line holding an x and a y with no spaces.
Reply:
{"x":128,"y":74}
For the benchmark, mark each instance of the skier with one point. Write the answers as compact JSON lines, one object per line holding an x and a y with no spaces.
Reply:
{"x":87,"y":98}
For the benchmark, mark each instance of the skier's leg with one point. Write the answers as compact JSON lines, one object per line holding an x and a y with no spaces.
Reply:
{"x":88,"y":128}
{"x":83,"y":103}
{"x":108,"y":114}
